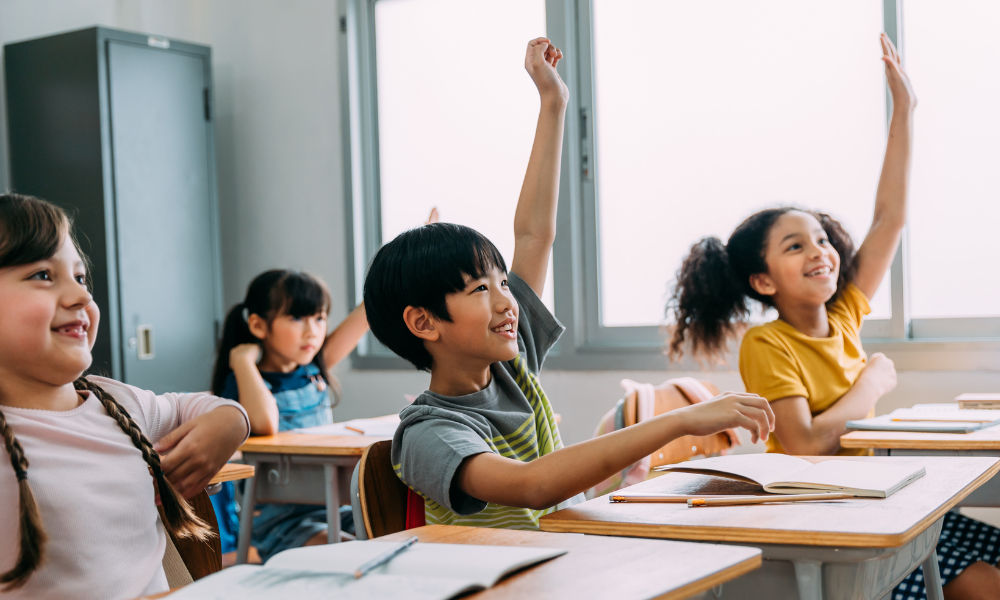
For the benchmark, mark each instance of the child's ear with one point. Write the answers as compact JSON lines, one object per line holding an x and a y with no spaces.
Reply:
{"x":763,"y":284}
{"x":258,"y":326}
{"x":421,"y":323}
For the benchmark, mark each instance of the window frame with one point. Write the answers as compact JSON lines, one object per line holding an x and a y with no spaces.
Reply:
{"x":933,"y":344}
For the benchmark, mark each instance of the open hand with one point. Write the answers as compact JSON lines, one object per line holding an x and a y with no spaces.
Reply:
{"x":540,"y":61}
{"x":903,"y":98}
{"x":434,"y":217}
{"x":728,"y":410}
{"x":195,"y":451}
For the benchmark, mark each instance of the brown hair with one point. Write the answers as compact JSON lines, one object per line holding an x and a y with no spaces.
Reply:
{"x":31,"y":230}
{"x":712,"y":298}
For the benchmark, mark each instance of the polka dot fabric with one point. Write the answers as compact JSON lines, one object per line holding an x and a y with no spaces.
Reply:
{"x":963,"y":541}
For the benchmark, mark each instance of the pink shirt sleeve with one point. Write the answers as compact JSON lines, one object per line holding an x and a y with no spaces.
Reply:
{"x":158,"y":415}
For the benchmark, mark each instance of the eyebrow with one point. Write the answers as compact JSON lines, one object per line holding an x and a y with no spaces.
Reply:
{"x":789,"y":236}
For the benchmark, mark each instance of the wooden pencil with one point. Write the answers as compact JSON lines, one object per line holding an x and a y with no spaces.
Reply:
{"x":784,"y":498}
{"x":666,"y":498}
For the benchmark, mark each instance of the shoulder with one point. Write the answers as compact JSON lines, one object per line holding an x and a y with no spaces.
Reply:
{"x":852,"y":306}
{"x":762,"y":336}
{"x":137,"y":402}
{"x":765,"y":343}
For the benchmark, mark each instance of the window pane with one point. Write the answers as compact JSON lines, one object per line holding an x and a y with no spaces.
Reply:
{"x":456,"y":113}
{"x":708,"y":111}
{"x":952,"y":58}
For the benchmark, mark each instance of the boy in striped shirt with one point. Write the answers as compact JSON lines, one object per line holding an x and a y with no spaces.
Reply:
{"x":481,"y":445}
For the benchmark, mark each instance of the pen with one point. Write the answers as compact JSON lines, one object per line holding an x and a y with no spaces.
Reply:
{"x":766,"y":499}
{"x":383,"y":558}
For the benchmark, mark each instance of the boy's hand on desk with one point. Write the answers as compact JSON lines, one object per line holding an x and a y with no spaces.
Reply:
{"x":903,"y":98}
{"x":540,"y":62}
{"x":196,"y":450}
{"x":880,"y":373}
{"x":728,"y":410}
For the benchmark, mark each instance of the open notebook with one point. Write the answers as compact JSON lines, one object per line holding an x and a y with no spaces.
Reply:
{"x":930,"y":418}
{"x":379,"y":427}
{"x":783,"y":474}
{"x":987,"y":401}
{"x":421,"y":572}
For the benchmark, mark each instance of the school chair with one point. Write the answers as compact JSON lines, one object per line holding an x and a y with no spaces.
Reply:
{"x":378,"y":497}
{"x":187,"y":559}
{"x":643,"y":401}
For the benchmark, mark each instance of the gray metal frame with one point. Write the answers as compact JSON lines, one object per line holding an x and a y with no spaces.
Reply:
{"x":587,"y":344}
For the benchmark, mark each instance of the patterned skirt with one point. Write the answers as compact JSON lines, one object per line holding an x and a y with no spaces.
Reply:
{"x":963,"y":541}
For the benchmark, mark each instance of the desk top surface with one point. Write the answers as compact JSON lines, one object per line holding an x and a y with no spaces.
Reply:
{"x":681,"y":569}
{"x":982,"y":439}
{"x":290,"y":442}
{"x":861,"y":522}
{"x":232,"y":472}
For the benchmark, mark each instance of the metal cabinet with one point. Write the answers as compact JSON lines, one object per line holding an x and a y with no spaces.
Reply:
{"x":116,"y":127}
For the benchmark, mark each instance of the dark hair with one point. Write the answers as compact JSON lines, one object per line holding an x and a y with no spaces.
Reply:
{"x":32,"y":230}
{"x":420,"y":268}
{"x":272,"y":294}
{"x":711,"y":300}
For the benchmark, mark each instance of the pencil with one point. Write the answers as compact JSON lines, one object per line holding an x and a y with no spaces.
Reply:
{"x":766,"y":499}
{"x":666,"y":498}
{"x":383,"y":558}
{"x":361,"y":431}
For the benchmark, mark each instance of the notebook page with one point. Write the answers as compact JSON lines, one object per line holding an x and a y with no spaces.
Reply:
{"x":248,"y":582}
{"x":484,"y":565}
{"x":947,"y":413}
{"x":851,"y":476}
{"x":381,"y":427}
{"x":761,"y":468}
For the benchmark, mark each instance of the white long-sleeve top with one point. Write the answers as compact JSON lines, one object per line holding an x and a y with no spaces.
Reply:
{"x":95,"y":494}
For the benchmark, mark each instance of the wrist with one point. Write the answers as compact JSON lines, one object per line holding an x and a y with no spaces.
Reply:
{"x":554,"y":101}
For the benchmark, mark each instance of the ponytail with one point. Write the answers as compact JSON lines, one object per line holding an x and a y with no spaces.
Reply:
{"x":235,"y":331}
{"x":709,"y":301}
{"x":180,"y":519}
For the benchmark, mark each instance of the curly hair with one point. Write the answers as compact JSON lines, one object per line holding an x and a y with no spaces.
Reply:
{"x":711,"y":299}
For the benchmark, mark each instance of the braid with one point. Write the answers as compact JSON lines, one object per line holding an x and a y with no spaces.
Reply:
{"x":31,"y":551}
{"x":180,"y":518}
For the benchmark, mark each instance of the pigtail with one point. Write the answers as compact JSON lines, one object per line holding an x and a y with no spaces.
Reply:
{"x":235,"y":331}
{"x":32,"y":541}
{"x":708,"y":301}
{"x":180,"y":519}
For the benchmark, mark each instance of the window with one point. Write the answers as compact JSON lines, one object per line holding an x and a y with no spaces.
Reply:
{"x":707,"y":112}
{"x":456,"y":116}
{"x":684,"y":118}
{"x":952,"y":58}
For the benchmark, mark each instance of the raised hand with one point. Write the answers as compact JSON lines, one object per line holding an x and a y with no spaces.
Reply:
{"x":903,"y":98}
{"x":540,"y":61}
{"x":434,"y":217}
{"x":730,"y":409}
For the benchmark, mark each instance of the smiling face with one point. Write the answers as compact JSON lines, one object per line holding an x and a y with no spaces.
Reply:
{"x":483,"y":324}
{"x":802,"y":264}
{"x":49,"y":319}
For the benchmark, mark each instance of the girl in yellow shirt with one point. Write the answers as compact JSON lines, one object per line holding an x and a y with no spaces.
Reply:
{"x":809,"y":363}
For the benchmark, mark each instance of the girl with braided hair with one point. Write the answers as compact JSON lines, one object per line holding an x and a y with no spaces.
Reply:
{"x":77,"y":504}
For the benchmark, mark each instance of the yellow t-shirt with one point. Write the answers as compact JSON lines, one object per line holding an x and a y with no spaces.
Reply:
{"x":778,"y":361}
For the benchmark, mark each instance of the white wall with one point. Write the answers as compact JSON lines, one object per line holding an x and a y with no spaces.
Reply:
{"x":279,"y":159}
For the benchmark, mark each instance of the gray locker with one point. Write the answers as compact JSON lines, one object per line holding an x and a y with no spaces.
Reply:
{"x":116,"y":127}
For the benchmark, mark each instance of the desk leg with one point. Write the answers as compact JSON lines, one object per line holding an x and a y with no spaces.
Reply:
{"x":246,"y":520}
{"x":932,"y":577}
{"x":332,"y":503}
{"x":809,"y":577}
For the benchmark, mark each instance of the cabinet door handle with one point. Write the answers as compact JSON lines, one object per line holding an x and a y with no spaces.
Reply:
{"x":146,"y":350}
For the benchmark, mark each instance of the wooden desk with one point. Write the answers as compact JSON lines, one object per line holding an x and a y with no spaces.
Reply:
{"x":232,"y":472}
{"x":299,"y":468}
{"x":846,"y":549}
{"x":984,"y":442}
{"x":600,"y":567}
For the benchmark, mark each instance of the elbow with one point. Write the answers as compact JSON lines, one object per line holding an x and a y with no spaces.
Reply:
{"x":540,"y":494}
{"x":535,"y":235}
{"x":264,"y":426}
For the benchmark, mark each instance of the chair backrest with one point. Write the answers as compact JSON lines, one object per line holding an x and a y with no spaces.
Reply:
{"x":382,"y":495}
{"x":200,"y":558}
{"x":669,"y":398}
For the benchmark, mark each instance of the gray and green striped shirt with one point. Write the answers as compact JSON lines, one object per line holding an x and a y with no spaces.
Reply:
{"x":511,"y":417}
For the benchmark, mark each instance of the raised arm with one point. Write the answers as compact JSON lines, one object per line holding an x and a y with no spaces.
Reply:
{"x":877,"y":251}
{"x":555,"y":477}
{"x":535,"y":218}
{"x":345,"y":337}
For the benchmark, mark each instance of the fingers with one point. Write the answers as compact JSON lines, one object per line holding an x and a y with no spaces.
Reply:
{"x":750,"y":425}
{"x":759,"y":416}
{"x":171,"y":439}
